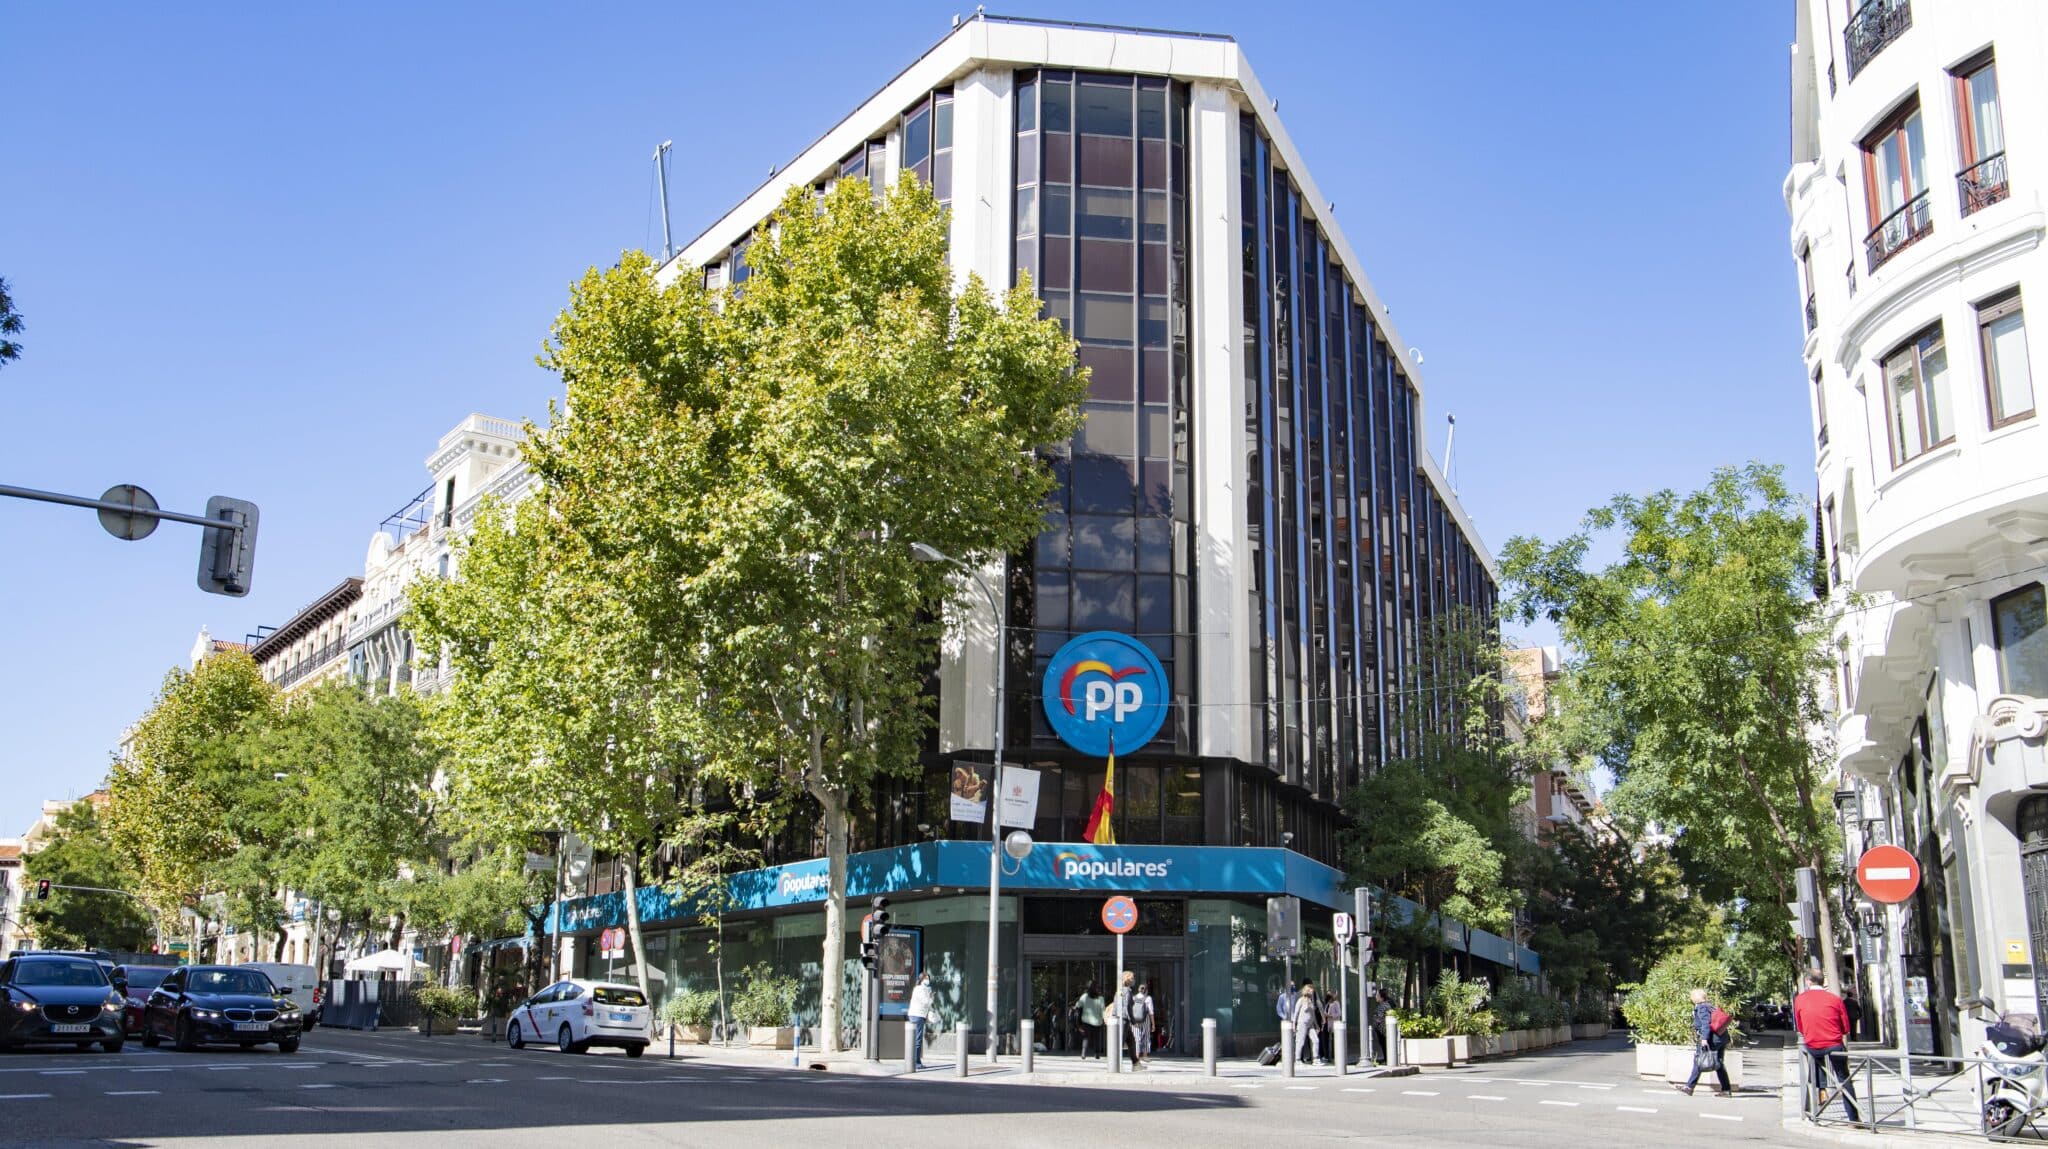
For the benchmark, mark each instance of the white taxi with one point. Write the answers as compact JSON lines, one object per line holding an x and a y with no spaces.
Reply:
{"x":577,"y":1014}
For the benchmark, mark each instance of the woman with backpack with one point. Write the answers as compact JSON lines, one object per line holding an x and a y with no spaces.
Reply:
{"x":1710,"y":1026}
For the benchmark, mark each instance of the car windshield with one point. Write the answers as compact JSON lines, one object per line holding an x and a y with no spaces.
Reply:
{"x":147,"y":977}
{"x":606,"y":995}
{"x":229,"y":981}
{"x":58,"y":973}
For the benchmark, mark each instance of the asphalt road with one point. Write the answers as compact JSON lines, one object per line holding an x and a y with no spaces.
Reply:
{"x":355,"y":1089}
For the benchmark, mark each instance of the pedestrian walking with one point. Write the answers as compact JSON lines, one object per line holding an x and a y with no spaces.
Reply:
{"x":1823,"y":1024}
{"x":1090,"y":1008}
{"x":1376,"y":1017}
{"x":1144,"y":1022}
{"x":1125,"y":1013}
{"x":1332,"y":1013}
{"x":1308,"y":1018}
{"x":920,"y":1017}
{"x":1710,"y":1034}
{"x":1283,"y":1003}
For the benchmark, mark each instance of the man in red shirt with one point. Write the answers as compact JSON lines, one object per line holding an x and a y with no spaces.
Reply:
{"x":1823,"y":1024}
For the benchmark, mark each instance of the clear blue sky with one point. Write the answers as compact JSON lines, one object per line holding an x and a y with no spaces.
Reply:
{"x":276,"y":251}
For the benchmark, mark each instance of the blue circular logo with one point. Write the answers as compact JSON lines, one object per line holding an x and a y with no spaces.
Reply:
{"x":1102,"y":686}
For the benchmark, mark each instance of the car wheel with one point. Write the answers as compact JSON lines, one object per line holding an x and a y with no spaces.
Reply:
{"x":565,"y":1040}
{"x":149,"y":1038}
{"x":635,"y":1050}
{"x":112,"y":1045}
{"x":183,"y":1040}
{"x":513,"y":1037}
{"x":288,"y":1045}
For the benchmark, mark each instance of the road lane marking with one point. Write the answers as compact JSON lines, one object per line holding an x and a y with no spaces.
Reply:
{"x":317,"y":1085}
{"x":165,"y":1069}
{"x":61,"y":1072}
{"x":1301,"y":1087}
{"x":1358,"y":1089}
{"x":486,"y":1081}
{"x":1596,"y":1087}
{"x":1484,"y":1097}
{"x":22,"y":1096}
{"x":1568,"y":1104}
{"x":1247,"y":1087}
{"x":1420,"y":1093}
{"x":1635,"y":1109}
{"x":225,"y":1068}
{"x":131,"y":1093}
{"x":555,"y":1078}
{"x":1720,"y":1117}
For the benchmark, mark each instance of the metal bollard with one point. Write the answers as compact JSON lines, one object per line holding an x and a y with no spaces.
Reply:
{"x":1116,"y":1045}
{"x":1027,"y":1036}
{"x":1393,"y":1041}
{"x":1209,"y":1046}
{"x":961,"y":1051}
{"x":909,"y":1047}
{"x":1286,"y":1049}
{"x":1339,"y":1039}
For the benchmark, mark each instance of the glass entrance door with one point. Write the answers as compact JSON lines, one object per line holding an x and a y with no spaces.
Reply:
{"x":1057,"y":984}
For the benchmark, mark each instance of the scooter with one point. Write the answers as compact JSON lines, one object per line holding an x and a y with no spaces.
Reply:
{"x":2016,"y":1089}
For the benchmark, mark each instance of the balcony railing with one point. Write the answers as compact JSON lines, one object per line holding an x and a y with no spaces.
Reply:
{"x":1899,"y":230}
{"x":318,"y":660}
{"x":1812,"y":314}
{"x":1875,"y":25}
{"x":1982,"y":183}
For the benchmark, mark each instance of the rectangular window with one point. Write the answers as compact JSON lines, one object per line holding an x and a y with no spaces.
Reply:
{"x":1820,"y":411}
{"x":1916,"y":388}
{"x":2019,"y":630}
{"x":1806,"y":285}
{"x":2008,"y":380}
{"x":1895,"y":183}
{"x":1981,"y":135}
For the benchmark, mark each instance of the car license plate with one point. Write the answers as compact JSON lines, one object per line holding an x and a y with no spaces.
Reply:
{"x":622,"y":1017}
{"x":80,"y":1027}
{"x":252,"y":1026}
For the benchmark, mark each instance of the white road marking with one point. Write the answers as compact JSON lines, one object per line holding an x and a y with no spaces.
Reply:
{"x":1720,"y":1117}
{"x":1569,"y":1104}
{"x":225,"y":1068}
{"x":1635,"y":1109}
{"x":1358,"y":1089}
{"x":1484,"y":1097}
{"x":131,"y":1093}
{"x":486,"y":1081}
{"x":22,"y":1096}
{"x":1596,"y":1087}
{"x":317,"y":1085}
{"x":1309,"y":1087}
{"x":1420,"y":1093}
{"x":62,"y":1072}
{"x":165,"y":1069}
{"x":1247,"y":1087}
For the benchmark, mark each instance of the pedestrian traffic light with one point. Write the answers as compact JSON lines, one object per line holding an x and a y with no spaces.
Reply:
{"x":880,"y":918}
{"x":42,"y":889}
{"x":870,"y":954}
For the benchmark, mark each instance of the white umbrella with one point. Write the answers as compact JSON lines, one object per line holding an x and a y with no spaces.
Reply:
{"x":382,"y":961}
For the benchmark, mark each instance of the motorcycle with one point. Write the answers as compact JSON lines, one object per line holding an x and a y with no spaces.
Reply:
{"x":2016,"y":1086}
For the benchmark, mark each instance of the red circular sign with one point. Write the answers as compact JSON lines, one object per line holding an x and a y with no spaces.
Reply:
{"x":1888,"y":874}
{"x":1119,"y":914}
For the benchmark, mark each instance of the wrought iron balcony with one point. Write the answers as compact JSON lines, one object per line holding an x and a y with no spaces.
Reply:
{"x":1983,"y":183}
{"x":1874,"y":26}
{"x":1899,"y":230}
{"x":1812,"y":314}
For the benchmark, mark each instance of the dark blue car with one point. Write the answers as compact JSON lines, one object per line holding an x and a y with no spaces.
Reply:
{"x":58,"y":999}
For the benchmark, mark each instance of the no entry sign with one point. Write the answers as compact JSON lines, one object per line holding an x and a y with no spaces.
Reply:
{"x":1888,"y":874}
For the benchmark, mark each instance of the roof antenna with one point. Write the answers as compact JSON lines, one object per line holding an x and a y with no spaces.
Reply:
{"x":1450,"y":440}
{"x":668,"y":249}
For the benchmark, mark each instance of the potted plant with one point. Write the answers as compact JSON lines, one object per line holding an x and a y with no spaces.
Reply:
{"x":1659,"y":1014}
{"x":691,"y":1012}
{"x":1422,"y":1039}
{"x":764,"y":1005}
{"x":1589,"y":1016}
{"x":1457,"y":1002}
{"x":441,"y":1006}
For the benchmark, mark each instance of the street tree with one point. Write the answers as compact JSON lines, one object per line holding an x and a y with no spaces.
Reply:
{"x":751,"y":465}
{"x":173,"y":799}
{"x":1695,"y":659}
{"x":10,"y":326}
{"x":80,"y":854}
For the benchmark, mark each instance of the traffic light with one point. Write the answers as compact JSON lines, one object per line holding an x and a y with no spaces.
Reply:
{"x":227,"y":556}
{"x":869,"y":954}
{"x":879,"y":918}
{"x":42,"y":889}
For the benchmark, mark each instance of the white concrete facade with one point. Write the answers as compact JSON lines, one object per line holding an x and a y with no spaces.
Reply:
{"x":1932,"y":507}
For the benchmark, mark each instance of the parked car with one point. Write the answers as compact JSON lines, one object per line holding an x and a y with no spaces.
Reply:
{"x":220,"y":1004}
{"x":577,"y":1014}
{"x":301,"y":983}
{"x":134,"y":983}
{"x":53,"y":998}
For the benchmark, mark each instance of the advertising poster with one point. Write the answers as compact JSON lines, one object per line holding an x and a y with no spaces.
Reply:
{"x":902,"y":954}
{"x":970,"y":793}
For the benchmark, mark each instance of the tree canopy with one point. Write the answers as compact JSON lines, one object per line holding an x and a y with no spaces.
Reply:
{"x":81,"y":854}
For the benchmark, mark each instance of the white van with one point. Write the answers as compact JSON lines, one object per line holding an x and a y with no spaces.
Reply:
{"x":301,"y":983}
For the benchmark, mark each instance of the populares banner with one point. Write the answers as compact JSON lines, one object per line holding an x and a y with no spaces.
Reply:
{"x":1020,"y":797}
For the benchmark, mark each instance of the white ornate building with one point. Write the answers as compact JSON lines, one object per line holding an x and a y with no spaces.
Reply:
{"x":1916,"y":193}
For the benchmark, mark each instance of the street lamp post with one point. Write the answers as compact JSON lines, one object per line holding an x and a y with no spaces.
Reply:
{"x":926,"y":553}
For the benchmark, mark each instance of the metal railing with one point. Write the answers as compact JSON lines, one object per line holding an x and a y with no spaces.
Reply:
{"x":312,"y":663}
{"x":1983,"y":183}
{"x":1874,"y":26}
{"x":1899,"y":230}
{"x":1939,"y":1095}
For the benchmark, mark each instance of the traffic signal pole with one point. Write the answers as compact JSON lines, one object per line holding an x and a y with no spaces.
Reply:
{"x":227,"y":548}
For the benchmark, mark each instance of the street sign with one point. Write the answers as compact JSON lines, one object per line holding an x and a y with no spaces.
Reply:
{"x":1119,"y":914}
{"x":1343,"y":927}
{"x":127,"y":526}
{"x":1888,"y":874}
{"x":1283,"y":926}
{"x":611,"y":943}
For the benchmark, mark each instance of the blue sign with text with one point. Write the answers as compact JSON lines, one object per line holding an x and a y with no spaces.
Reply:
{"x":1105,"y":688}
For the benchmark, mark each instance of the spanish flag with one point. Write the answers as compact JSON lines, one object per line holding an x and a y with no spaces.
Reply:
{"x":1099,"y":830}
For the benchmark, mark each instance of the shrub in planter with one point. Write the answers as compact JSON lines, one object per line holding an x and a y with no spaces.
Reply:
{"x":764,"y":1000}
{"x":1590,"y":1009}
{"x":1414,"y":1024}
{"x":442,"y":1005}
{"x":692,"y":1011}
{"x":1659,"y":1010}
{"x":1457,"y":1001}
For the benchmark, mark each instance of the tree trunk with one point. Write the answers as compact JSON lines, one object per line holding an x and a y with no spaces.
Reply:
{"x":832,"y":973}
{"x":277,"y":951}
{"x":1824,"y":919}
{"x":629,"y":868}
{"x":397,"y":931}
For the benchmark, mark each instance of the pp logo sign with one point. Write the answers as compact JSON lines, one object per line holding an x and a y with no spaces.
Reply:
{"x":1103,"y":686}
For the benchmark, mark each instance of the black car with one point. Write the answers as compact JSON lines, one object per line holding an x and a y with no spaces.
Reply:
{"x":58,"y":999}
{"x":220,"y":1005}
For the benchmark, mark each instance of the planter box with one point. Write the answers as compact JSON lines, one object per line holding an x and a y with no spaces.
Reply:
{"x":1561,"y":1034}
{"x":1651,"y":1060}
{"x":1583,"y":1031}
{"x":1426,"y":1051}
{"x":1483,"y":1046}
{"x":695,"y":1034}
{"x":1461,"y":1046}
{"x":772,"y":1037}
{"x":1511,"y":1041}
{"x":1678,"y":1066}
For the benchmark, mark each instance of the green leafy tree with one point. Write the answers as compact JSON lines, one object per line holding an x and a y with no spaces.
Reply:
{"x":1696,"y":656}
{"x":10,"y":326}
{"x":81,"y":854}
{"x":175,"y":800}
{"x":746,"y":470}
